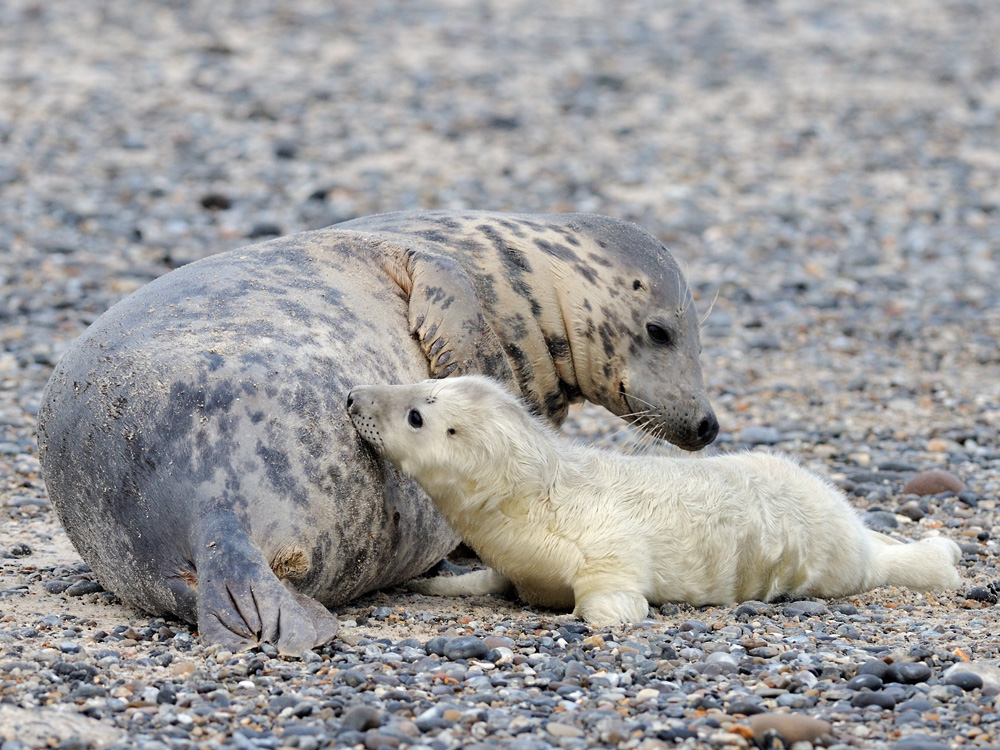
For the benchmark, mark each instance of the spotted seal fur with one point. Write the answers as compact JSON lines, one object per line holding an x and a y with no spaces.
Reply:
{"x":194,"y":440}
{"x":604,"y":533}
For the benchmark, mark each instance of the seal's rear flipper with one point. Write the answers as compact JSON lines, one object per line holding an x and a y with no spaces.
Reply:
{"x":242,"y":603}
{"x":927,"y":565}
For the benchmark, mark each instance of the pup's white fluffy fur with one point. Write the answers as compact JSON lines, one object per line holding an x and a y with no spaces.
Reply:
{"x":605,"y":533}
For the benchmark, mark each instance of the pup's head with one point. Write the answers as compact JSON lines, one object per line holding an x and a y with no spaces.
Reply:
{"x":457,"y":434}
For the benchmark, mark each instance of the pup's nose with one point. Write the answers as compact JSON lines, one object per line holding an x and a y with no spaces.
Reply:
{"x":350,"y":400}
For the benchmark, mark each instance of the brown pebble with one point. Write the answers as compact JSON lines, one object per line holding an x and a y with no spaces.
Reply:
{"x":792,"y":727}
{"x":937,"y":445}
{"x":498,"y":641}
{"x":181,"y":668}
{"x":558,"y":729}
{"x":933,"y":482}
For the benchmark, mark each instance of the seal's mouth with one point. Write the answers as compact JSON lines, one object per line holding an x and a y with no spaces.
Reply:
{"x":653,"y":420}
{"x":646,"y":418}
{"x":624,"y":395}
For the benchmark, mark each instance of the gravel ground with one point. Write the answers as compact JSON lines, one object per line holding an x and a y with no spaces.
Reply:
{"x":829,"y":173}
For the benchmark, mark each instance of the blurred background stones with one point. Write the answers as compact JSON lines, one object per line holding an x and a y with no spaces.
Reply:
{"x":827,"y":174}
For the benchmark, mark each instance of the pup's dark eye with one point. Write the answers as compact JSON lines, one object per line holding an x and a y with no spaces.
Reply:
{"x":415,"y":420}
{"x":451,"y":430}
{"x":659,"y":335}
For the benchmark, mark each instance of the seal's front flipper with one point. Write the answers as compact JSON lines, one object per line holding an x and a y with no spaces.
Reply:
{"x":242,"y":603}
{"x":446,"y":318}
{"x":476,"y":583}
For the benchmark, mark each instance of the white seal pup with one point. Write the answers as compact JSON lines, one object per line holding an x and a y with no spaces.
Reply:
{"x":606,"y":533}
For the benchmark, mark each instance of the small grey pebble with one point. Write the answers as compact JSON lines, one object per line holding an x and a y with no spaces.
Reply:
{"x":908,"y":673}
{"x":281,"y":702}
{"x":869,"y":681}
{"x":805,"y":608}
{"x":695,"y":626}
{"x":466,"y":647}
{"x":970,"y":498}
{"x":435,"y":646}
{"x":869,"y":698}
{"x":911,"y":510}
{"x":381,"y":613}
{"x":722,"y":658}
{"x":362,"y":718}
{"x":264,"y":229}
{"x":965,"y":680}
{"x":347,"y":738}
{"x":987,"y":594}
{"x":80,"y":588}
{"x":876,"y":667}
{"x":352,"y":677}
{"x":752,"y":609}
{"x":848,"y":631}
{"x":919,"y":742}
{"x":844,"y":609}
{"x":745,"y":706}
{"x":764,"y":342}
{"x":880,"y":519}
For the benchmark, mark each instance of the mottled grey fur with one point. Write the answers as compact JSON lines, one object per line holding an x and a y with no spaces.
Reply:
{"x":194,"y":440}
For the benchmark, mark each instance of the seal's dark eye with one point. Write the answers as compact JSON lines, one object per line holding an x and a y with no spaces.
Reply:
{"x":415,"y":420}
{"x":659,"y":335}
{"x":451,"y":430}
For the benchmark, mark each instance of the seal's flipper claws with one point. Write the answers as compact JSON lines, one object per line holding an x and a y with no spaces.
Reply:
{"x":287,"y":619}
{"x":242,"y":603}
{"x":452,"y":322}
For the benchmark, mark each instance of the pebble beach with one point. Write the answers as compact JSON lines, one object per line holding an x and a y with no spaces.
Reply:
{"x":827,"y":174}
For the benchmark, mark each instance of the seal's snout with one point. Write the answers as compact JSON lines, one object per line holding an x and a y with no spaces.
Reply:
{"x":708,"y":430}
{"x":698,"y":432}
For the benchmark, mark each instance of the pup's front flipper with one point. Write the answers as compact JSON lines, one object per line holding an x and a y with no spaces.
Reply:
{"x":478,"y":582}
{"x":602,"y":608}
{"x":242,"y":603}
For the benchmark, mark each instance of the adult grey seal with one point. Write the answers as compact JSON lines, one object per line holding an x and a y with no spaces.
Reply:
{"x":573,"y":526}
{"x":194,"y":440}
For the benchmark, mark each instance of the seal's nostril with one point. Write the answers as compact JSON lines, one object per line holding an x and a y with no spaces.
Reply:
{"x":350,"y":401}
{"x":708,"y":429}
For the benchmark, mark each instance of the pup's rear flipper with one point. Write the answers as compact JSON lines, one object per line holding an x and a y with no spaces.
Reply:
{"x":476,"y":583}
{"x":927,"y":565}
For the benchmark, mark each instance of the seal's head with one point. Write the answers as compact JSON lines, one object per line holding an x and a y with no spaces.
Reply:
{"x":634,"y":334}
